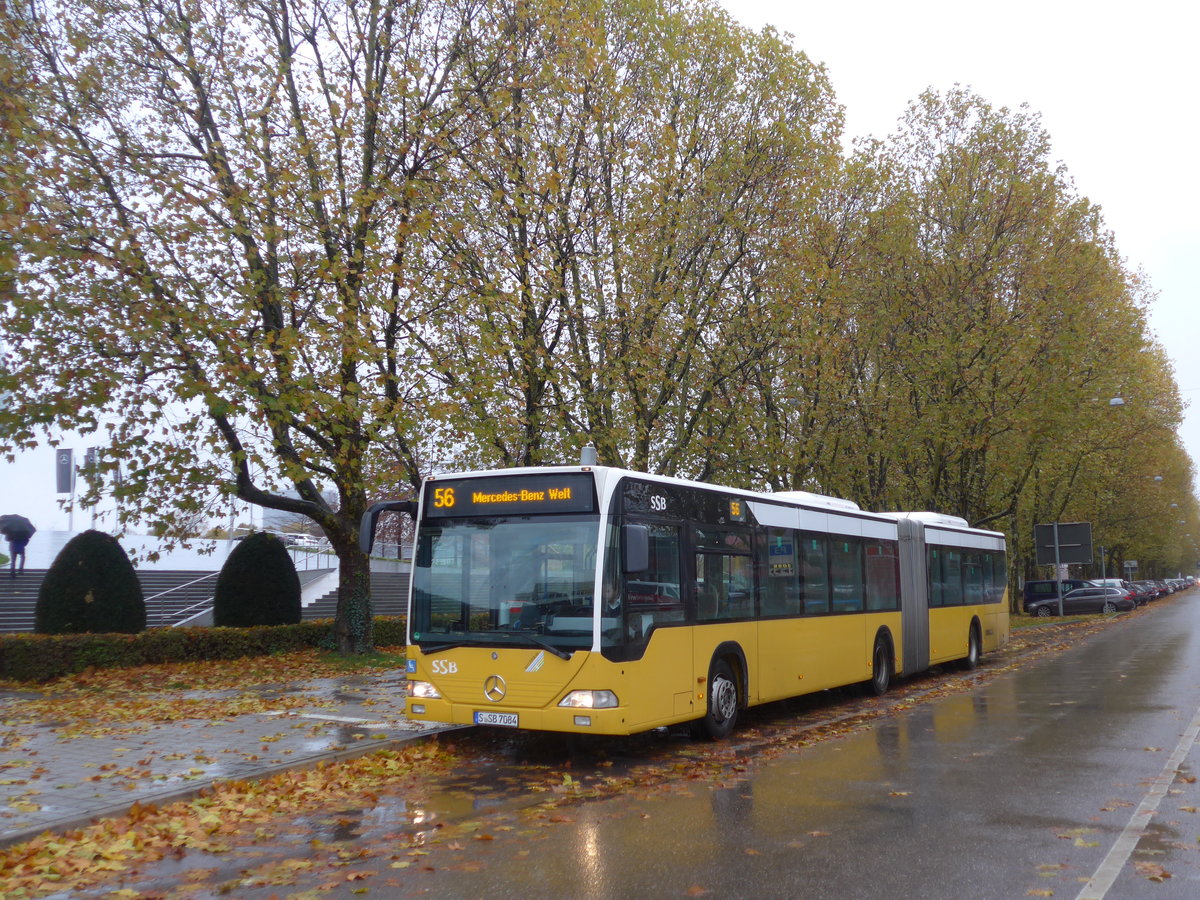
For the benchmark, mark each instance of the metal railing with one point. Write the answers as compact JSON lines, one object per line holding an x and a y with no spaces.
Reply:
{"x":313,"y":557}
{"x":163,"y":614}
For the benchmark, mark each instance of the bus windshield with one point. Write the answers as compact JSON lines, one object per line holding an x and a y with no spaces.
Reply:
{"x":506,"y":580}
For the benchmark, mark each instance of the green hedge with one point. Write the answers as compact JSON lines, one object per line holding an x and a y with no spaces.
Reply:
{"x":42,"y":657}
{"x":258,"y":585}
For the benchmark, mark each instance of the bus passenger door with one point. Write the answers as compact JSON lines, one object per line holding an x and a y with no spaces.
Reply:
{"x":726,"y":599}
{"x":655,"y":642}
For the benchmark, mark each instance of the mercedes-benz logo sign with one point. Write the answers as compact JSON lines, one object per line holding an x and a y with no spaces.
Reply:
{"x":494,"y":688}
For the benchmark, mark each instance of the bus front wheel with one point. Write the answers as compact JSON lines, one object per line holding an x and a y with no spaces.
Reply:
{"x":722,"y":712}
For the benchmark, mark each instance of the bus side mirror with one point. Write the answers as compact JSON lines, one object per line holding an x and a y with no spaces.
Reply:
{"x":635,"y":548}
{"x":366,"y":528}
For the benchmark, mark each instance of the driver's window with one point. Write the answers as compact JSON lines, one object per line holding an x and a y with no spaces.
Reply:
{"x":647,"y":599}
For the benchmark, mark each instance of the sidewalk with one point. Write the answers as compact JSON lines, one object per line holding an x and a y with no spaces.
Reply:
{"x":58,"y":775}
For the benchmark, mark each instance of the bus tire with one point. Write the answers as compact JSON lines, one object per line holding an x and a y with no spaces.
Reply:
{"x":970,"y":662}
{"x":723,"y":703}
{"x":881,"y":669}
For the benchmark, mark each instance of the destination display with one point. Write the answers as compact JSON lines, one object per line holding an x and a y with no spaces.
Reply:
{"x":510,"y":495}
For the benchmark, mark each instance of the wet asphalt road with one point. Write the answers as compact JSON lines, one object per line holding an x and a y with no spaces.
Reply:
{"x":1073,"y":776}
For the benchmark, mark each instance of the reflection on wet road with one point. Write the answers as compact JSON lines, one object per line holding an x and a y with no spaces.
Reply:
{"x":1032,"y":784}
{"x":1020,"y":788}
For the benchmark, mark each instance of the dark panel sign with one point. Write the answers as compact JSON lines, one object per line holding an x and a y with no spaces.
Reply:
{"x":507,"y":495}
{"x":1074,"y":542}
{"x":64,"y":471}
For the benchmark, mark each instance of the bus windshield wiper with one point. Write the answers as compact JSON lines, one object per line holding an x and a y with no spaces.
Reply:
{"x":542,"y":642}
{"x":438,"y":648}
{"x":539,"y":641}
{"x":491,"y":639}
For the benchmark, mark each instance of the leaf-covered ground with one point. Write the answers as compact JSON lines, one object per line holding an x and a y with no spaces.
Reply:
{"x":99,"y":699}
{"x":251,"y":821}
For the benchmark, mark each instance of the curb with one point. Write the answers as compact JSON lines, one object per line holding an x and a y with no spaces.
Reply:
{"x":178,"y":794}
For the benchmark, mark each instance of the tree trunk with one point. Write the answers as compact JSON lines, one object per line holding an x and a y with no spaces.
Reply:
{"x":354,"y":627}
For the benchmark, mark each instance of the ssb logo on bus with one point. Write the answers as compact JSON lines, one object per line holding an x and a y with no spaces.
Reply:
{"x":444,"y":667}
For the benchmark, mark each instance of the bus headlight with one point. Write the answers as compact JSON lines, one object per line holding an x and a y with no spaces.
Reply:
{"x":590,"y":700}
{"x":423,"y":690}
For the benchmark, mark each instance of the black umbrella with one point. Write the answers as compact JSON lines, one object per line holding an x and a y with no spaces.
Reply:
{"x":16,"y":528}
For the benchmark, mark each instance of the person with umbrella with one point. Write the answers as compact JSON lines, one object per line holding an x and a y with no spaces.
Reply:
{"x":17,"y":530}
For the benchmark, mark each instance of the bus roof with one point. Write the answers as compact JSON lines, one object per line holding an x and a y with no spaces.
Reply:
{"x":806,"y":498}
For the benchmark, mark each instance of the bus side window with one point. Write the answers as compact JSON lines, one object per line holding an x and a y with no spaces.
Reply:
{"x":952,"y":577}
{"x":996,"y":576}
{"x":815,"y":586}
{"x":973,"y":587}
{"x":724,"y":586}
{"x":846,"y":568}
{"x":781,"y":594}
{"x":936,"y":579}
{"x":883,"y":575}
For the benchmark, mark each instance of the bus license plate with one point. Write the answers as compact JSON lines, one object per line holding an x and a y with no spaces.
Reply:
{"x":496,"y":718}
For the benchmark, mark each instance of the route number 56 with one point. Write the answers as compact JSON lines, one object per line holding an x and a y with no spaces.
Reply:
{"x":443,"y":498}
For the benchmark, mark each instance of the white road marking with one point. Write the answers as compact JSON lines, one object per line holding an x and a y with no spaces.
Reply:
{"x":1106,"y":874}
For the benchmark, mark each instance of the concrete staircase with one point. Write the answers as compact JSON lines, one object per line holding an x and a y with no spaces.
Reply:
{"x":18,"y":597}
{"x":389,"y":597}
{"x":174,"y":596}
{"x":171,"y":596}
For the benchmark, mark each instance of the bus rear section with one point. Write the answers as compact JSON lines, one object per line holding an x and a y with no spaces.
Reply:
{"x":955,"y":587}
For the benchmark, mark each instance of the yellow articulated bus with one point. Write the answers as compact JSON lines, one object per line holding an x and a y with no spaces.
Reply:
{"x":593,"y":599}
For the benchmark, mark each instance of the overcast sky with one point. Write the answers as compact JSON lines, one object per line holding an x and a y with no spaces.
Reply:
{"x":1118,"y":89}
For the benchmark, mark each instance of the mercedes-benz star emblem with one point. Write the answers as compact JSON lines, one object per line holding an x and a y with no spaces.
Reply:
{"x":494,"y":688}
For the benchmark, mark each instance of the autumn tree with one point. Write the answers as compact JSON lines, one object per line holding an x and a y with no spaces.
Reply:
{"x":959,"y":319}
{"x":220,"y":235}
{"x":1001,"y":314}
{"x":276,"y":247}
{"x":15,"y":89}
{"x":820,"y":420}
{"x":614,"y":227}
{"x":734,"y":134}
{"x":1130,"y":476}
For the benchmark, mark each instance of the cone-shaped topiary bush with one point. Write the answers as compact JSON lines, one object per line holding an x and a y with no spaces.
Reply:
{"x":90,"y":587}
{"x":258,"y":585}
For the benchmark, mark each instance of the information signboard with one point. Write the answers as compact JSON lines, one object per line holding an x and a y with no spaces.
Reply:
{"x":1073,"y":539}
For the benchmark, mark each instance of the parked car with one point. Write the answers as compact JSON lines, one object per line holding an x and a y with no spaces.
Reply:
{"x":1111,"y":582}
{"x":1146,"y":591}
{"x":1084,"y":600}
{"x":1044,"y":590}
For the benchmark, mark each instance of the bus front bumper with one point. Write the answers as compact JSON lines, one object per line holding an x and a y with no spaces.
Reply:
{"x":557,"y":718}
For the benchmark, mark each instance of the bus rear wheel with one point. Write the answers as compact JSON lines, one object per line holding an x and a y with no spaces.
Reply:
{"x":718,"y":722}
{"x":881,"y":669}
{"x":974,"y":651}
